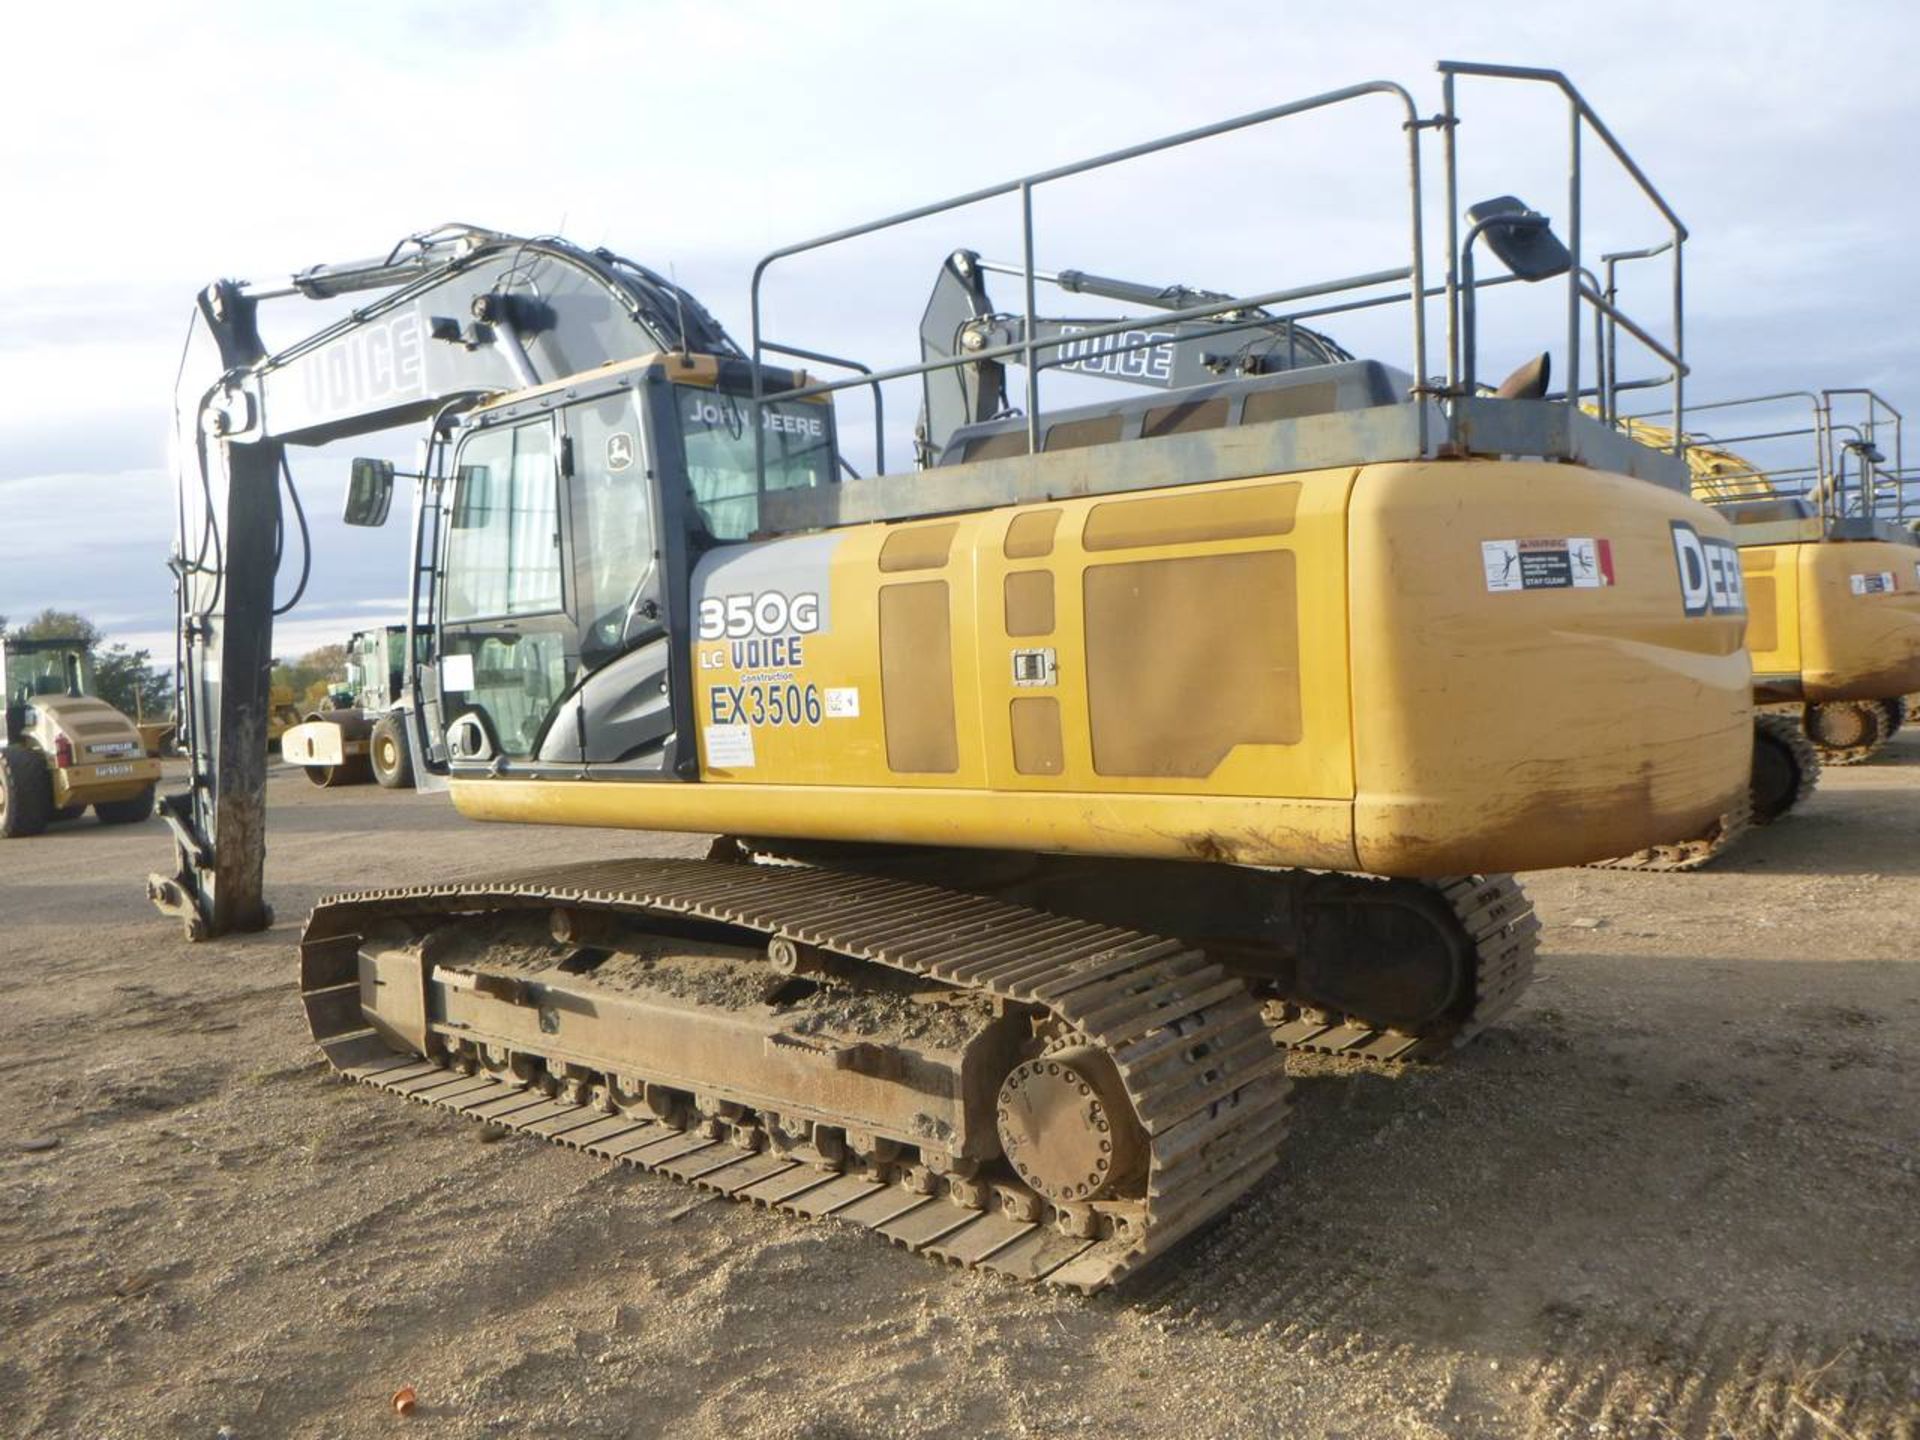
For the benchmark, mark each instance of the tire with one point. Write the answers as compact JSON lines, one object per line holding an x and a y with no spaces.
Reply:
{"x":70,"y":812}
{"x":26,"y":792}
{"x":388,"y":750}
{"x":126,"y":812}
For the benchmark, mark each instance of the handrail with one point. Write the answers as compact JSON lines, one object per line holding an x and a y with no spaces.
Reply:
{"x":1585,"y":289}
{"x":1024,"y":188}
{"x":1029,"y":347}
{"x":1602,"y":298}
{"x":879,"y":402}
{"x":1826,"y":477}
{"x":1559,"y":80}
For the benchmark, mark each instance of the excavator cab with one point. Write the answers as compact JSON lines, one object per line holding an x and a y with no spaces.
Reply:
{"x":572,"y":520}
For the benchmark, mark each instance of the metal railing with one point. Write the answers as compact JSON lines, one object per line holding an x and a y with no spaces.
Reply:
{"x":1582,"y":289}
{"x":1585,"y":291}
{"x":1845,"y":469}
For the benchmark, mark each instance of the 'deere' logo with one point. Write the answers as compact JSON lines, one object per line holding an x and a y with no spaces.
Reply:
{"x":1710,"y":581}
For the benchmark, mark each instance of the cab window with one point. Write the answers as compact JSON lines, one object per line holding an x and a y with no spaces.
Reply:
{"x":717,"y":430}
{"x":613,"y":534}
{"x":506,"y":651}
{"x":503,"y":546}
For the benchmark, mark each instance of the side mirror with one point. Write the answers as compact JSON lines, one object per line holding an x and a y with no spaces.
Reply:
{"x":1521,"y":238}
{"x":369,"y":492}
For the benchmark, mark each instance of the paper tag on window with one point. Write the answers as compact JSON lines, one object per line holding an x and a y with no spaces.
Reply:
{"x":456,"y":673}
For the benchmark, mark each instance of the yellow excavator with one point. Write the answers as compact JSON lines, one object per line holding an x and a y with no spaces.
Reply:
{"x":1828,"y":555}
{"x":1065,"y":780}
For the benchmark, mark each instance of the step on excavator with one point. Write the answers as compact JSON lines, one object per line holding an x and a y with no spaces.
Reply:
{"x":363,"y":736}
{"x":1064,"y":781}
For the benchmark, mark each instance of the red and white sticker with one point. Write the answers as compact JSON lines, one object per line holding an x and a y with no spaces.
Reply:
{"x":1576,"y":563}
{"x":1879,"y":582}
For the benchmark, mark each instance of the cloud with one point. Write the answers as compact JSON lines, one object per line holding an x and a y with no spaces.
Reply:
{"x":697,"y":137}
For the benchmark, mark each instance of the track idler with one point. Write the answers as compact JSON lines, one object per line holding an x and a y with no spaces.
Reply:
{"x":1846,"y":732}
{"x":1068,"y":1129}
{"x":1786,"y":767}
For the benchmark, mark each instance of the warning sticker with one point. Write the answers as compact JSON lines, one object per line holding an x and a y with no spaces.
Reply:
{"x":1881,"y":582}
{"x":1576,"y":563}
{"x":843,"y":702}
{"x":729,"y":747}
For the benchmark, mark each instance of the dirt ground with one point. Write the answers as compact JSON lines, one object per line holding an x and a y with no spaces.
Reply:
{"x":1674,"y":1194}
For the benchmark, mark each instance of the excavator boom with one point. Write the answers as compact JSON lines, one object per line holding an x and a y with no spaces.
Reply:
{"x":459,"y":314}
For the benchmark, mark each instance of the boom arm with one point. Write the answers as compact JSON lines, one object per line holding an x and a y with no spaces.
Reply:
{"x":460,"y":313}
{"x":960,"y":319}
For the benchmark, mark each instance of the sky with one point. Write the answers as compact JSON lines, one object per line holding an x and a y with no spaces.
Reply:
{"x":149,"y":150}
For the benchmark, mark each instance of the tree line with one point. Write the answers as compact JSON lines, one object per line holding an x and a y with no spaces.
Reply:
{"x":126,"y":679}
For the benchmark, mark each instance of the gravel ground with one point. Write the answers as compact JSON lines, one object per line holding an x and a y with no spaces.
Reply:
{"x":1673,"y":1194}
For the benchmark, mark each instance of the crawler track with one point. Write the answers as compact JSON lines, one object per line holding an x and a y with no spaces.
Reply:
{"x":1488,"y":916}
{"x":1191,"y":1045}
{"x":1720,"y":837}
{"x":1496,"y":915}
{"x":1790,"y":745}
{"x":1789,"y":780}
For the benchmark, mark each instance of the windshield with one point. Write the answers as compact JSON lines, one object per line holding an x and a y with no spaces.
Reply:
{"x":719,"y":442}
{"x":47,"y":672}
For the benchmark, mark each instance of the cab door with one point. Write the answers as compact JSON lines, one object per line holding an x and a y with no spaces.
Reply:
{"x":509,"y":648}
{"x":621,"y":722}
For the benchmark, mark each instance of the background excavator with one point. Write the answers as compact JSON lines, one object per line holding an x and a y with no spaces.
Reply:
{"x":1064,"y":781}
{"x":1828,"y":553}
